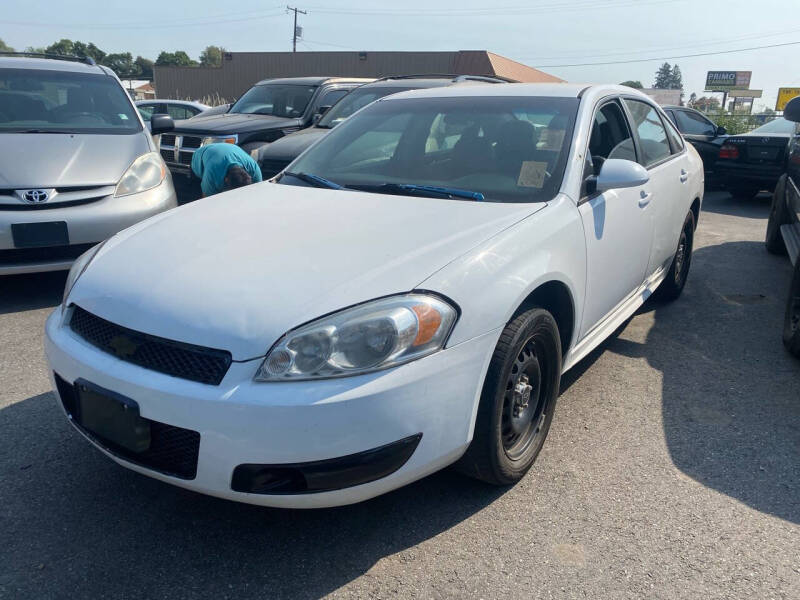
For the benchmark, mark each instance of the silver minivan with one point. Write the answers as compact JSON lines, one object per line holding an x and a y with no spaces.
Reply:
{"x":77,"y":164}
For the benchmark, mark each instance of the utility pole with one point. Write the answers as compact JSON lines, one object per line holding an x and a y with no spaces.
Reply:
{"x":294,"y":32}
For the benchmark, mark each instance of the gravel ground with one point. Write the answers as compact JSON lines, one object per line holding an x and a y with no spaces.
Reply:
{"x":671,"y":471}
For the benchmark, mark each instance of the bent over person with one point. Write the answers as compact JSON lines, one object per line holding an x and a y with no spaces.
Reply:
{"x":223,"y":167}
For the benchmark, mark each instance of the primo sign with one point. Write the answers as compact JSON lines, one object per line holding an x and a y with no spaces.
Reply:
{"x":722,"y":81}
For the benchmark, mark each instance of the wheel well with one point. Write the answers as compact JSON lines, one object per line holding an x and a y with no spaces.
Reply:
{"x":555,"y":298}
{"x":696,"y":211}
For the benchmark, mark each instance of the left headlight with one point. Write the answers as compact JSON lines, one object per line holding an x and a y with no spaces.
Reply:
{"x":78,"y":267}
{"x":365,"y":338}
{"x":145,"y":173}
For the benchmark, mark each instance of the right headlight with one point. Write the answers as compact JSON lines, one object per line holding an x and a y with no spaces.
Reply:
{"x":362,"y":339}
{"x":78,"y":267}
{"x":145,"y":173}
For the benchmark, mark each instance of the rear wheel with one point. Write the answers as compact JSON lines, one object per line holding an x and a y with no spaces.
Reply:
{"x":518,"y":399}
{"x":777,"y":217}
{"x":673,"y":284}
{"x":791,"y":323}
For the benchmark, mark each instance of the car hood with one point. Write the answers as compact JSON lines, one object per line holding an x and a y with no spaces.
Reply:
{"x":48,"y":160}
{"x":291,"y":146}
{"x":232,"y":123}
{"x":237,"y":270}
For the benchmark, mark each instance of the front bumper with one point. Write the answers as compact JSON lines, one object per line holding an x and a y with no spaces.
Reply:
{"x":241,"y":422}
{"x":87,"y":224}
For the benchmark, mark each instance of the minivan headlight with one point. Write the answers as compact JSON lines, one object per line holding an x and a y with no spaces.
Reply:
{"x":145,"y":173}
{"x":365,"y":338}
{"x":78,"y":267}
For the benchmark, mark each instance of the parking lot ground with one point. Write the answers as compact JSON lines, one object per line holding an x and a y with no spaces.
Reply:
{"x":671,"y":471}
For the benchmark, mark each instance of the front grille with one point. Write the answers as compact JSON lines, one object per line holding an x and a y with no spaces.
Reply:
{"x":168,"y":155}
{"x":270,"y":168}
{"x":186,"y":361}
{"x":167,"y":139}
{"x":190,"y":141}
{"x":27,"y":256}
{"x":185,"y":158}
{"x":173,"y":450}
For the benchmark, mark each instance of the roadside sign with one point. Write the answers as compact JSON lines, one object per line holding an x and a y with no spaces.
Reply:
{"x":722,"y":81}
{"x":784,"y":95}
{"x":746,"y":93}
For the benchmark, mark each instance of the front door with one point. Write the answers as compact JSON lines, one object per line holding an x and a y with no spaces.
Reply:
{"x":617,"y":224}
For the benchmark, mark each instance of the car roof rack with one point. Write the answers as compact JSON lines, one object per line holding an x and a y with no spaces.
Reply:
{"x":88,"y":60}
{"x":452,"y":76}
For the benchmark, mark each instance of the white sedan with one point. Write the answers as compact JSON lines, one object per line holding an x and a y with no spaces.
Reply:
{"x":405,"y":296}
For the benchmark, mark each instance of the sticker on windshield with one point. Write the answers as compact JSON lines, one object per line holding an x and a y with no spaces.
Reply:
{"x":532,"y":174}
{"x":122,"y":116}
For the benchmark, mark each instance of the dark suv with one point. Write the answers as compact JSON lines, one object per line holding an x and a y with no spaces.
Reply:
{"x":275,"y":157}
{"x":269,"y":110}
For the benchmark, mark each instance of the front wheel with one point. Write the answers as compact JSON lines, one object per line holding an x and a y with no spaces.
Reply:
{"x":791,"y":323}
{"x":518,"y":399}
{"x":672,"y":286}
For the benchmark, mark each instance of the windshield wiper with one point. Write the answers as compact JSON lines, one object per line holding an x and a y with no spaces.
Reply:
{"x":315,"y":180}
{"x":44,"y":131}
{"x":421,"y":190}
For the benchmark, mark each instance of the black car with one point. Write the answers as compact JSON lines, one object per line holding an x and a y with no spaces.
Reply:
{"x":754,"y":161}
{"x":701,"y":132}
{"x":268,"y":111}
{"x":275,"y":157}
{"x":783,"y":227}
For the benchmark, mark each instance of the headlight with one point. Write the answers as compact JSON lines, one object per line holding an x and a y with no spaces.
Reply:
{"x":78,"y":267}
{"x":369,"y":337}
{"x":145,"y":173}
{"x":219,"y":139}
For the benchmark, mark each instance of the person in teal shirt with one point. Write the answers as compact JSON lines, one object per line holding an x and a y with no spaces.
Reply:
{"x":223,"y":167}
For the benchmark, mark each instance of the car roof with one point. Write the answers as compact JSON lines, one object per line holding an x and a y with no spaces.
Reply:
{"x":315,"y":80}
{"x":553,"y":90}
{"x":52,"y":64}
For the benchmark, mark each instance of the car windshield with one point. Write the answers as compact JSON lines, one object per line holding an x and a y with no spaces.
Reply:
{"x":356,"y":100}
{"x":275,"y":99}
{"x":779,"y":125}
{"x":498,"y":149}
{"x":41,"y":101}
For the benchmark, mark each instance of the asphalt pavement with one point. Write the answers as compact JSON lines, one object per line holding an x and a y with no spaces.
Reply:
{"x":672,"y":470}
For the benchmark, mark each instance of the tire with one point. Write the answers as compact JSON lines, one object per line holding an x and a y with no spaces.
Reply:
{"x":777,"y":217}
{"x":791,"y":322}
{"x":518,"y":400}
{"x":673,"y":284}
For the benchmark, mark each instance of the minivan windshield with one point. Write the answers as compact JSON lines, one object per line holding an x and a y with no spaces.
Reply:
{"x":497,"y":149}
{"x":355,"y":100}
{"x":276,"y":99}
{"x":42,"y":101}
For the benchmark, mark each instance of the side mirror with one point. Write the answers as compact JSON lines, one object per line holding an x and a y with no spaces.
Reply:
{"x":321,"y":111}
{"x":791,"y":111}
{"x":161,"y":124}
{"x":721,"y":130}
{"x":619,"y":173}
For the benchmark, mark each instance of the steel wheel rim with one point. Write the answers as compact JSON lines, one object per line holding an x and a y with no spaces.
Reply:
{"x":524,"y":414}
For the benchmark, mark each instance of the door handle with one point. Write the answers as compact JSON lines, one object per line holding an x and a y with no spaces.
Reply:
{"x":684,"y":176}
{"x":644,"y":198}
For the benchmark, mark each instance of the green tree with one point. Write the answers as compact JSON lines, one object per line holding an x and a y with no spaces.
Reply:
{"x":145,"y":67}
{"x":122,"y":64}
{"x":62,"y":46}
{"x":179,"y":58}
{"x":663,"y":77}
{"x":35,"y":49}
{"x":633,"y":83}
{"x":90,"y":50}
{"x":212,"y":56}
{"x":5,"y":47}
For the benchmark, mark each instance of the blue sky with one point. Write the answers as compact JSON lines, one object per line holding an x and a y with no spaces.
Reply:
{"x":542,"y":33}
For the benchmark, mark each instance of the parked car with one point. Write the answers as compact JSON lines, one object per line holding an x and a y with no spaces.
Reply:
{"x":177,"y":109}
{"x":269,"y":110}
{"x":701,"y":132}
{"x":752,"y":162}
{"x":274,"y":157}
{"x":406,"y":296}
{"x":77,"y":164}
{"x":783,"y":228}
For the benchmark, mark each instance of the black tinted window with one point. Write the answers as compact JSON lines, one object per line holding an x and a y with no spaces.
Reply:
{"x":693,"y":124}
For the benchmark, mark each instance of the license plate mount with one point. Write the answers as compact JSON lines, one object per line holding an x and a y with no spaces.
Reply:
{"x":37,"y":235}
{"x":111,"y":417}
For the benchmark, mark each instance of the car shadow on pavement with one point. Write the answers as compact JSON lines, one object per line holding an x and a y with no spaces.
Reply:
{"x":730,"y":393}
{"x":76,"y":524}
{"x":725,"y":204}
{"x":31,"y":291}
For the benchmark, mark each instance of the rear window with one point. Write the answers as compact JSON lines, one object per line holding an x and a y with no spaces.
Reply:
{"x":40,"y":101}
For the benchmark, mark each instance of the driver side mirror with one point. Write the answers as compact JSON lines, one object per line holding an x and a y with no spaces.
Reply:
{"x":617,"y":173}
{"x":721,"y":130}
{"x":161,"y":124}
{"x":321,"y":111}
{"x":791,"y":111}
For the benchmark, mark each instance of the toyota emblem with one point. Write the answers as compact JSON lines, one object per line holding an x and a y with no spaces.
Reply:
{"x":35,"y":196}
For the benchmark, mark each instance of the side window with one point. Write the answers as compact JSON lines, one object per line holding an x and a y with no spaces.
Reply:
{"x":675,"y":138}
{"x":331,"y":97}
{"x":178,"y":112}
{"x":146,"y":110}
{"x":610,"y":137}
{"x":652,"y":135}
{"x":694,"y":124}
